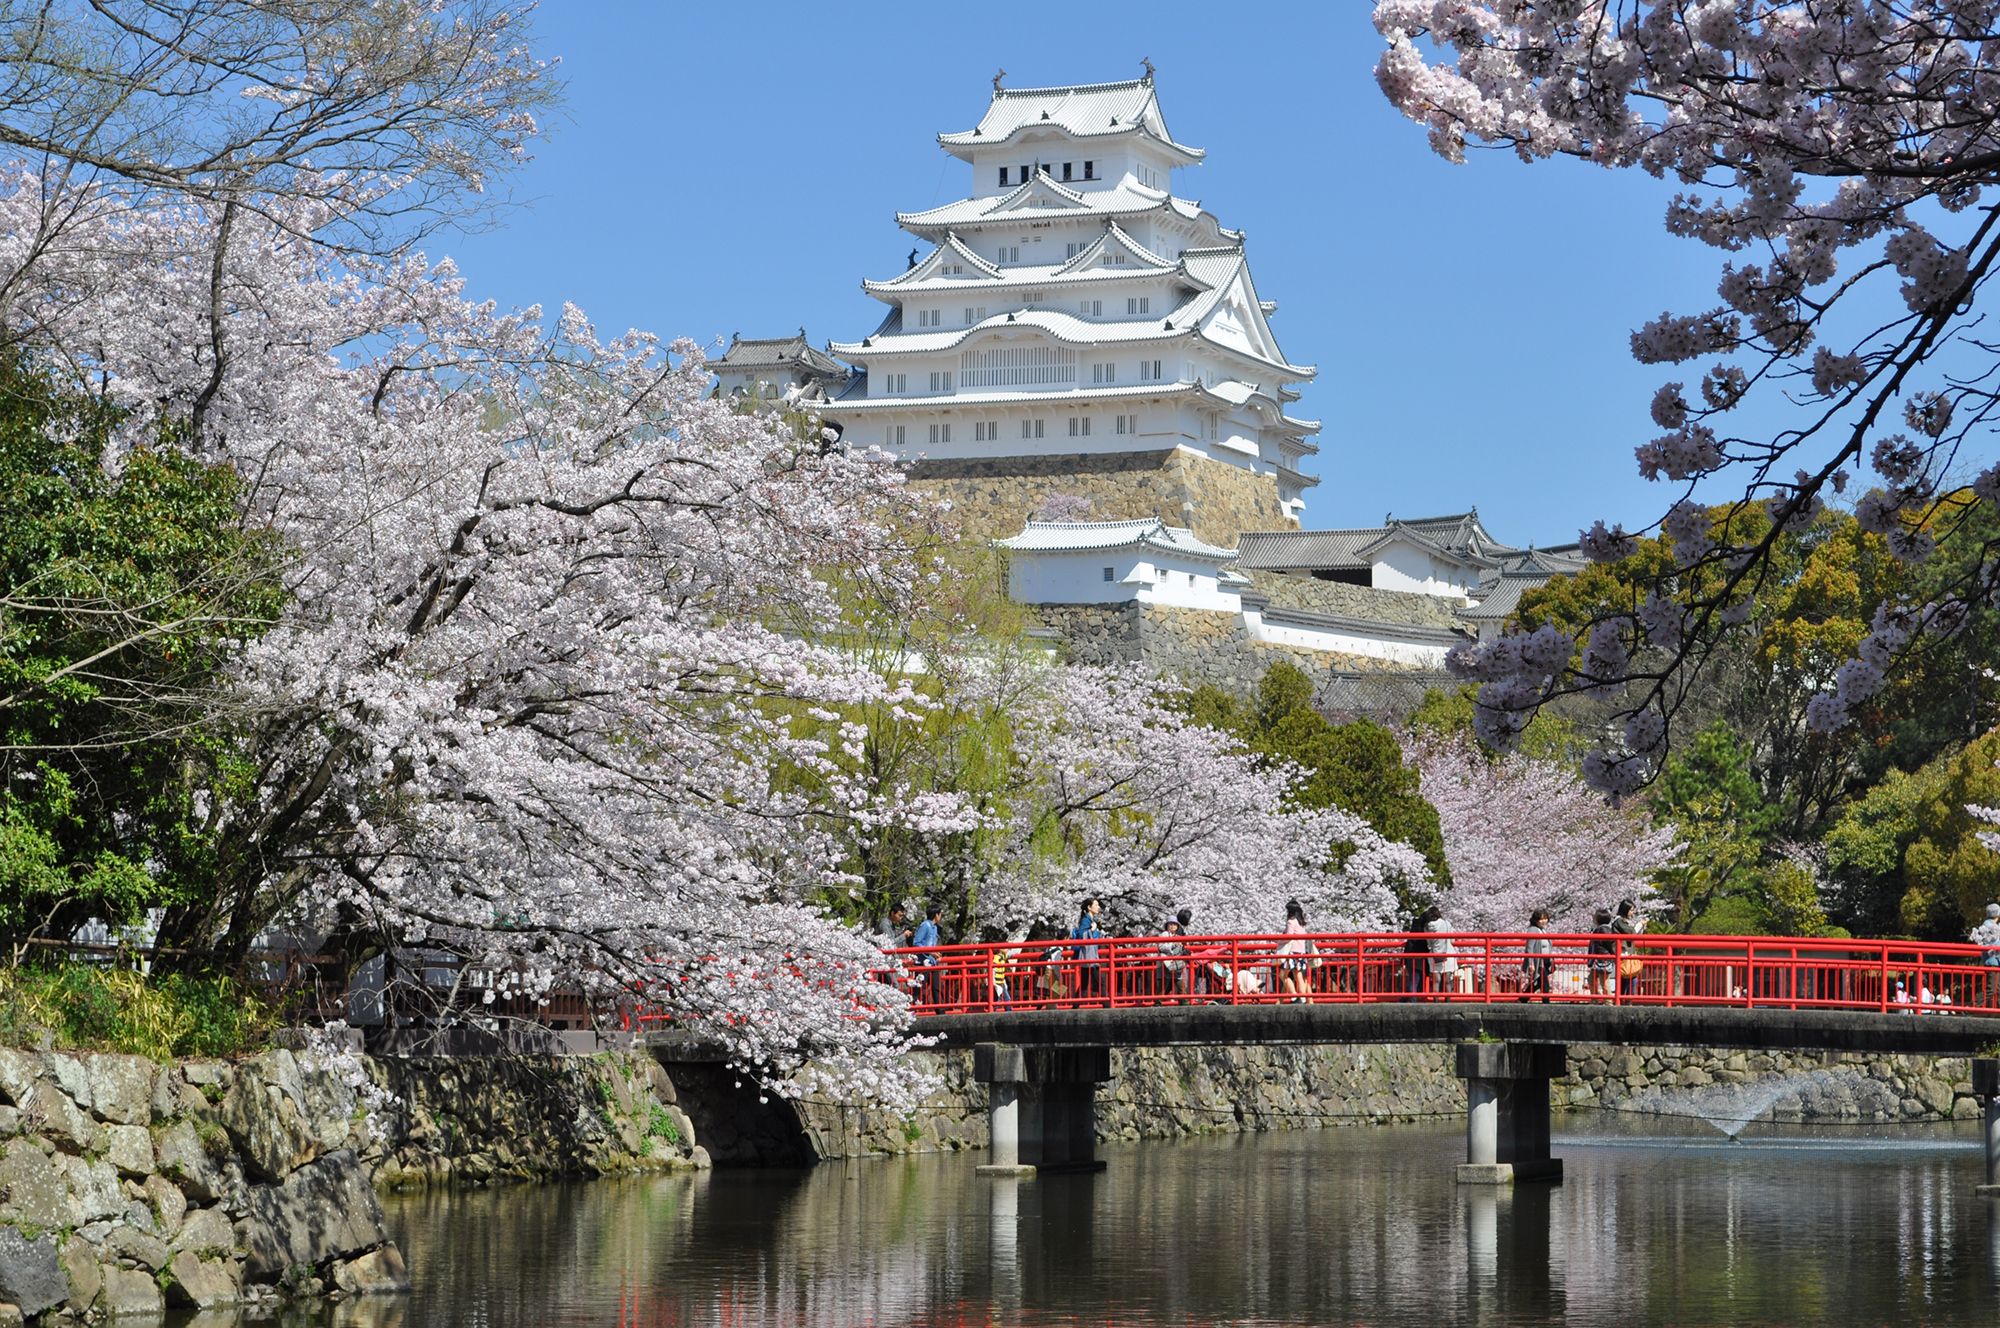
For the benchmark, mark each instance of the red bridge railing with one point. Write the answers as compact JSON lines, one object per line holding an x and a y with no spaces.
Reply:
{"x":1794,"y":973}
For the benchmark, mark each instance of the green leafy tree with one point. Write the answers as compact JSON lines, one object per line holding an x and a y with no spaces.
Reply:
{"x":1948,"y":874}
{"x":1866,"y":848}
{"x":1814,"y":603}
{"x":1725,"y":823}
{"x":122,"y":591}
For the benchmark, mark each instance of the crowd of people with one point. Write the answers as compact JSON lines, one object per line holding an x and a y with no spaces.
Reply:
{"x":1180,"y":964}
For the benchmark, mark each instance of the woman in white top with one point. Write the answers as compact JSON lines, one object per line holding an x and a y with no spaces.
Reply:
{"x":1444,"y":958}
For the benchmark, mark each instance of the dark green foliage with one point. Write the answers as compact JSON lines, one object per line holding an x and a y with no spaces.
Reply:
{"x":1709,"y":792}
{"x":123,"y":587}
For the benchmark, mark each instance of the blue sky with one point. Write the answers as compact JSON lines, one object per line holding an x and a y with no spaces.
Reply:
{"x":724,"y":169}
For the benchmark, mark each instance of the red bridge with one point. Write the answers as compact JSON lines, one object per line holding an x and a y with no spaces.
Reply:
{"x":1748,"y":972}
{"x":1041,"y":1016}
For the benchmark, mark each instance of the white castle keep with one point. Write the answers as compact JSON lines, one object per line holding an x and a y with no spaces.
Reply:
{"x":1074,"y":329}
{"x":1073,"y":304}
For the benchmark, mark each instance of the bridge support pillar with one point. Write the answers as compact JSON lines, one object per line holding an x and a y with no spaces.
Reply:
{"x":1507,"y":1115}
{"x":1041,"y":1106}
{"x":1986,"y":1087}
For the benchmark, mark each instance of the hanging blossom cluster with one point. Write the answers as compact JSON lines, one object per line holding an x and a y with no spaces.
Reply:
{"x":1128,"y":800}
{"x":1801,"y":133}
{"x":1523,"y":834}
{"x":529,"y":702}
{"x":374,"y":1105}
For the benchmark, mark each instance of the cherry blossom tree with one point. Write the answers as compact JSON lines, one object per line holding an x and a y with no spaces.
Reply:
{"x":1522,"y":834}
{"x":1833,"y":150}
{"x":1129,"y":800}
{"x":526,"y":699}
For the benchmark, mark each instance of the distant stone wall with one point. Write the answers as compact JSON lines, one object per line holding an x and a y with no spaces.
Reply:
{"x":1197,"y":646}
{"x":1194,"y":646}
{"x":993,"y":497}
{"x":1794,"y":1086}
{"x":477,"y":1120}
{"x":1106,"y":635}
{"x":1173,"y":1092}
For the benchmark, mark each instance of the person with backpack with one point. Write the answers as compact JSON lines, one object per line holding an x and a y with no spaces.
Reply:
{"x":1629,"y":963}
{"x":1603,"y":949}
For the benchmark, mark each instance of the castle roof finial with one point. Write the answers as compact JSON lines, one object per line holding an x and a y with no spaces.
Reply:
{"x":1000,"y":74}
{"x":1147,"y":61}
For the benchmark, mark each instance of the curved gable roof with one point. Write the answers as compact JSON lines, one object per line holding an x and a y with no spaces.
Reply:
{"x":1102,"y":536}
{"x":1082,"y":111}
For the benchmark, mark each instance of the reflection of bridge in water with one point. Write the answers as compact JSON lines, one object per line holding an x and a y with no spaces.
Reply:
{"x":1042,"y":1016}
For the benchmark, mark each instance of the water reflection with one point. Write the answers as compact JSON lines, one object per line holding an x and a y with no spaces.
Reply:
{"x":1340,"y":1226}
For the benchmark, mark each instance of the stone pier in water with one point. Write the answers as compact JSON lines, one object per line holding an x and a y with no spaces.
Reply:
{"x":1507,"y":1111}
{"x":1041,"y":1106}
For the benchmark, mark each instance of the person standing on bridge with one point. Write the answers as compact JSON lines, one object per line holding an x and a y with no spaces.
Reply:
{"x":1445,"y":972}
{"x":1629,"y":964}
{"x":1602,"y":947}
{"x":1536,"y":967}
{"x":894,"y":932}
{"x":1415,"y":947}
{"x":1173,"y":958}
{"x":1987,"y":935}
{"x":928,"y":935}
{"x":1293,"y":977}
{"x":1089,"y":977}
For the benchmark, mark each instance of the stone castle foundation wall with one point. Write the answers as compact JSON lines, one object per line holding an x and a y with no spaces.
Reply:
{"x":994,"y":496}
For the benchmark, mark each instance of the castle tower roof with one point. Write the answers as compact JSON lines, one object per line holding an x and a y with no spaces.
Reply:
{"x":1079,"y":112}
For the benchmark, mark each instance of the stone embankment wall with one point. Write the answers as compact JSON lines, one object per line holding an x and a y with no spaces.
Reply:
{"x":127,"y":1187}
{"x":494,"y":1119}
{"x":1173,"y":1092}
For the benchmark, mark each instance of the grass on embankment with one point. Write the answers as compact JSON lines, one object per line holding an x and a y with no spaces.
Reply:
{"x":98,"y":1007}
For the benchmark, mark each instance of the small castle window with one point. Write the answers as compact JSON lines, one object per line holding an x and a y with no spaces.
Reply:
{"x":1090,"y":170}
{"x":1066,"y":170}
{"x":1108,"y":573}
{"x":1003,"y":175}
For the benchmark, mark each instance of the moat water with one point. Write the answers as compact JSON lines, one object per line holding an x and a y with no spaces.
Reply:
{"x":1659,"y":1222}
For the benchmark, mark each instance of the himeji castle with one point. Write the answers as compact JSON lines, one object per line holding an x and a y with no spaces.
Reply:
{"x":1075,"y":325}
{"x":1078,"y":358}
